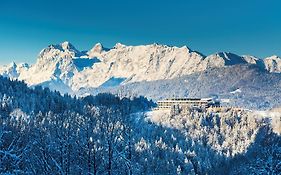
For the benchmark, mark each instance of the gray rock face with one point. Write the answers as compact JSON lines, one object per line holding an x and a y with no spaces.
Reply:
{"x":273,"y":64}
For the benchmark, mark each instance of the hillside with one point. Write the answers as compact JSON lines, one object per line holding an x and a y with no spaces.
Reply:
{"x":42,"y":132}
{"x":258,"y":89}
{"x":243,"y":142}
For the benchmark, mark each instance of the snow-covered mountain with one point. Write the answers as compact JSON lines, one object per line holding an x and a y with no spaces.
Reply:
{"x":62,"y":67}
{"x":55,"y":67}
{"x":273,"y":64}
{"x":13,"y":70}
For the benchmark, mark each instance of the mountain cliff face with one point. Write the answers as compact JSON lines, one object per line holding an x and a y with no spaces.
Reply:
{"x":62,"y":67}
{"x":13,"y":70}
{"x":273,"y":64}
{"x":55,"y":66}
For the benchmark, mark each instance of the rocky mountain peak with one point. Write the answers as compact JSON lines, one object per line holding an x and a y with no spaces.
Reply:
{"x":225,"y":58}
{"x":273,"y":63}
{"x":119,"y":46}
{"x":12,"y":65}
{"x":59,"y":51}
{"x":67,"y":46}
{"x":96,"y":50}
{"x":273,"y":57}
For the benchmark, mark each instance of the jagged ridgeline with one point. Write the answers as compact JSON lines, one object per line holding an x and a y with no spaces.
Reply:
{"x":42,"y":132}
{"x":186,"y":72}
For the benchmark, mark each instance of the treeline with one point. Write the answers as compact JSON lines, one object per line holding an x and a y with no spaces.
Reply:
{"x":17,"y":95}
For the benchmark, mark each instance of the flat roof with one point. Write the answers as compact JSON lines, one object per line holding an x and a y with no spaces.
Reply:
{"x":186,"y":99}
{"x":183,"y":99}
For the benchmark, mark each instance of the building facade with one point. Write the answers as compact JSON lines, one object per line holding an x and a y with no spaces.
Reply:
{"x":176,"y":105}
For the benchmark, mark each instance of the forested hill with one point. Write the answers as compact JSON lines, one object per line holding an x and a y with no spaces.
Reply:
{"x":17,"y":95}
{"x":42,"y":132}
{"x":106,"y":135}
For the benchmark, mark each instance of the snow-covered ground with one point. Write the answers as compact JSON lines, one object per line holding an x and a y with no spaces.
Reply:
{"x":267,"y":113}
{"x":197,"y":124}
{"x":236,"y":91}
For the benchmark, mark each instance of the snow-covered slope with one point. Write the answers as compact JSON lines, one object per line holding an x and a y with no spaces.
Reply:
{"x":62,"y":66}
{"x":273,"y":64}
{"x":138,"y":63}
{"x":244,"y":85}
{"x":55,"y":61}
{"x":13,"y":70}
{"x":223,"y":59}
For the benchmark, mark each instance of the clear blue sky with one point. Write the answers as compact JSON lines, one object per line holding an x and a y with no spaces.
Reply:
{"x":240,"y":26}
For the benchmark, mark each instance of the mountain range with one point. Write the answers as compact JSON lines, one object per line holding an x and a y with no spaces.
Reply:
{"x":64,"y":68}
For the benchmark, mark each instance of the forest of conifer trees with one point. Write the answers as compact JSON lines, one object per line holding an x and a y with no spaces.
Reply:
{"x":42,"y":132}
